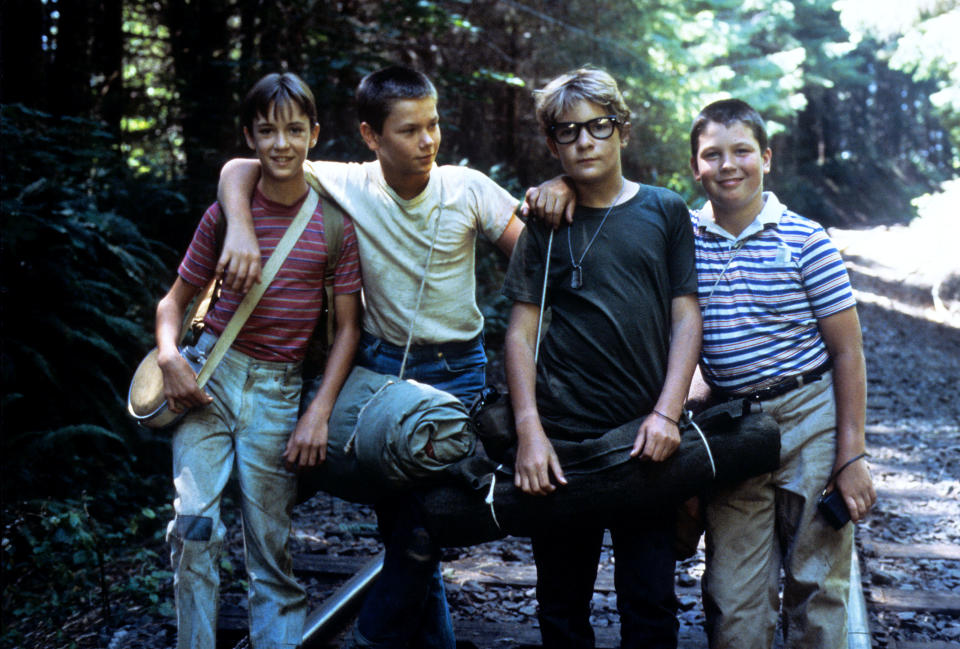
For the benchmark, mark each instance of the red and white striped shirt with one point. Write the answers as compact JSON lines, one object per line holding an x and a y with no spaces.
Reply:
{"x":282,"y":323}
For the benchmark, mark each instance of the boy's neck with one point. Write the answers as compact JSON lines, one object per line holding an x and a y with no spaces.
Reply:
{"x":285,"y":192}
{"x":736,"y":221}
{"x":602,"y":193}
{"x":406,"y":186}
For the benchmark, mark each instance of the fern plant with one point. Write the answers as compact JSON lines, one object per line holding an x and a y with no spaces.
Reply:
{"x":79,"y":282}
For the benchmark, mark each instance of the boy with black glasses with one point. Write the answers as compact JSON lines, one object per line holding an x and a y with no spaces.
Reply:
{"x":622,"y":344}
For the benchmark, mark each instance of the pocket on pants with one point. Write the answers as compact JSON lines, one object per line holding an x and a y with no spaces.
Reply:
{"x":468,"y":362}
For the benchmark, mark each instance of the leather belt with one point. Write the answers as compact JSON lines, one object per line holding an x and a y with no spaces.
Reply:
{"x":785,"y":385}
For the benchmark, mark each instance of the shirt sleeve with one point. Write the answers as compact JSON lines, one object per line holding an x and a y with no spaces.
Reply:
{"x":347,"y":275}
{"x":681,"y":256}
{"x":524,"y":278}
{"x":495,"y":206}
{"x":200,"y":261}
{"x":335,"y":180}
{"x":825,"y":277}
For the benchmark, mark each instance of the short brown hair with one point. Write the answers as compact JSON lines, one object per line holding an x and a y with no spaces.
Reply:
{"x":278,"y":89}
{"x":379,"y":90}
{"x":727,"y":112}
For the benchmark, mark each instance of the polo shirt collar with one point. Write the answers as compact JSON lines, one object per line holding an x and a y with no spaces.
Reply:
{"x":769,"y":216}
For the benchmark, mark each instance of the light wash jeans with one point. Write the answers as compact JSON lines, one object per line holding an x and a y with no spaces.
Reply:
{"x":246,"y":428}
{"x":770,"y":523}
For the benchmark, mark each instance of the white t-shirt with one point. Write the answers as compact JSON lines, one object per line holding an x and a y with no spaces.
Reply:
{"x":394,"y":237}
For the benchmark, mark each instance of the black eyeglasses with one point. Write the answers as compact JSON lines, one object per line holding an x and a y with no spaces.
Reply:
{"x":599,"y":127}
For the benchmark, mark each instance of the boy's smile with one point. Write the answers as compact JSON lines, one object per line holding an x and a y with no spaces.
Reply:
{"x":730,"y":166}
{"x":407,"y":144}
{"x":281,"y":140}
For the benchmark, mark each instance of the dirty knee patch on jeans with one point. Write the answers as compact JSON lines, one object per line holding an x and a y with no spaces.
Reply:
{"x":194,"y":528}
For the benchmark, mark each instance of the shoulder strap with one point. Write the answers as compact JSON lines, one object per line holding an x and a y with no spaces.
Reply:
{"x":250,"y":300}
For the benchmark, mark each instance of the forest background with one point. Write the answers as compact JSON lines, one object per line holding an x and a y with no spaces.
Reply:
{"x":118,"y":114}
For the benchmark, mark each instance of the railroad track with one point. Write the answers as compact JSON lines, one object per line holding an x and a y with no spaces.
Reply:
{"x":481,"y":573}
{"x":909,"y":546}
{"x":902,"y":595}
{"x":905,"y":594}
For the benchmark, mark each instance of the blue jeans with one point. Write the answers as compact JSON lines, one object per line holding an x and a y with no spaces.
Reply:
{"x":254,"y":410}
{"x":407,"y":606}
{"x":643,"y":575}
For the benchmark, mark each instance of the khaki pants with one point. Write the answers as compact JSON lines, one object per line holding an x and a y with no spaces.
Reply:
{"x":771,"y":522}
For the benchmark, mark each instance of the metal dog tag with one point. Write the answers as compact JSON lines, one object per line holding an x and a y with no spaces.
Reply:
{"x":576,"y":277}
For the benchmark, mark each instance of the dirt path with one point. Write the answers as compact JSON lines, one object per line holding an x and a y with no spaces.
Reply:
{"x":907,"y":282}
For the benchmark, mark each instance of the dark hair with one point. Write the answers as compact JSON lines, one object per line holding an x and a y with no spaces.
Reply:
{"x":378,"y":90}
{"x":727,"y":112}
{"x":277,"y":89}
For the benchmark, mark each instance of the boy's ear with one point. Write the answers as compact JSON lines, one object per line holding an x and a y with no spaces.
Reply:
{"x":314,"y":135}
{"x":249,"y":138}
{"x":695,"y":168}
{"x":370,"y":136}
{"x":767,"y":157}
{"x":552,"y":146}
{"x":624,"y":134}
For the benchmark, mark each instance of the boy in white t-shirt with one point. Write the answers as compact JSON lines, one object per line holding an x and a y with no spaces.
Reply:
{"x":407,"y":210}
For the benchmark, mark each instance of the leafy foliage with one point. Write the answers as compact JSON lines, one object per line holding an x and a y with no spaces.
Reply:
{"x":78,"y":282}
{"x":129,"y":109}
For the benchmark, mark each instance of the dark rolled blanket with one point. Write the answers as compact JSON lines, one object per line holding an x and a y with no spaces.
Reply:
{"x":604,"y":484}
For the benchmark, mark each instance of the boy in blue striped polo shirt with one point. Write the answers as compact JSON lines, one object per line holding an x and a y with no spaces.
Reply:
{"x":780,"y":327}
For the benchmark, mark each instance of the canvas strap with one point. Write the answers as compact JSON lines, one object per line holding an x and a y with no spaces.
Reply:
{"x":250,"y":300}
{"x":543,"y":298}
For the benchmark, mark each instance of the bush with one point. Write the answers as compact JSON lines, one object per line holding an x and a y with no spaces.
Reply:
{"x":79,"y":283}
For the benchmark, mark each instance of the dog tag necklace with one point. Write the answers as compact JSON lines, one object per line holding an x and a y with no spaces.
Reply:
{"x":576,"y":275}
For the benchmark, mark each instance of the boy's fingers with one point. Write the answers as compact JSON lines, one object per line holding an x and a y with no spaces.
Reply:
{"x":639,"y":443}
{"x":557,"y":471}
{"x":251,"y":275}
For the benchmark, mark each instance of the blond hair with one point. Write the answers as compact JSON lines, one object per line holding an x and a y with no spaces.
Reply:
{"x":584,"y":84}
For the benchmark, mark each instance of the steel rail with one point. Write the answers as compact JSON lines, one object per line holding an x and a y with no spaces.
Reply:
{"x":334,"y":609}
{"x":323,"y":620}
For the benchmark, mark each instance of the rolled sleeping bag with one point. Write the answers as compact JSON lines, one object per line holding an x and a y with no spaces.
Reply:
{"x":384,"y":434}
{"x":604,"y":484}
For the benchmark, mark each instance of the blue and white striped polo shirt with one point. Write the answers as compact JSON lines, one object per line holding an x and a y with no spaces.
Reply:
{"x":761,"y":294}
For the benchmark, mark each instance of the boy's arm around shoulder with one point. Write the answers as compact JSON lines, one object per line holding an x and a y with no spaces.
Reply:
{"x":307,"y":445}
{"x":239,"y":263}
{"x":841,"y":333}
{"x":179,"y":380}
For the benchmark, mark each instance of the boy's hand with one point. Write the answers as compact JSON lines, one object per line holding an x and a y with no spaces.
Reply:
{"x":657,"y":439}
{"x":553,"y":202}
{"x":856,"y":487}
{"x":536,"y":461}
{"x":307,"y":445}
{"x":180,"y":384}
{"x":239,"y":263}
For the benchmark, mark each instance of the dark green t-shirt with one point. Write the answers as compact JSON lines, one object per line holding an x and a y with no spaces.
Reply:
{"x":604,"y":357}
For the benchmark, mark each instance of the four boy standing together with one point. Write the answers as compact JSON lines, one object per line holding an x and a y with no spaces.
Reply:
{"x":623,"y":342}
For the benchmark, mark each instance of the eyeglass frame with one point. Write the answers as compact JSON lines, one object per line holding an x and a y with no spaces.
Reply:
{"x":551,"y":130}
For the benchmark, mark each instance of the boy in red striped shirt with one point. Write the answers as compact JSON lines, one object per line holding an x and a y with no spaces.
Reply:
{"x":247,"y":418}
